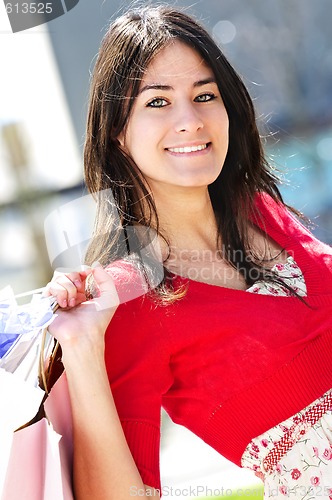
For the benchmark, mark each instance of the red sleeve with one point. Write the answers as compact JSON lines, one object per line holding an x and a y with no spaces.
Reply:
{"x":137,"y":362}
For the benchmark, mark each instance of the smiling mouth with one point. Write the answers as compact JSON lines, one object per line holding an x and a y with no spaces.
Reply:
{"x":189,"y":149}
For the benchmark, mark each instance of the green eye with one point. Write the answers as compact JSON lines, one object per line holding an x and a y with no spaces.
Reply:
{"x":205,"y":97}
{"x":158,"y":102}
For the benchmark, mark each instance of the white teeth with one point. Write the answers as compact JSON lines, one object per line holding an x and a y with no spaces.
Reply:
{"x":188,"y":149}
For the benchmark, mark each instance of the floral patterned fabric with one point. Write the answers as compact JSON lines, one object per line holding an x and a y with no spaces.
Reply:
{"x":304,"y":471}
{"x":290,"y":273}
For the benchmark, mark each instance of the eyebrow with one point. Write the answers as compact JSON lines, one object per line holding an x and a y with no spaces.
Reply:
{"x":158,"y":86}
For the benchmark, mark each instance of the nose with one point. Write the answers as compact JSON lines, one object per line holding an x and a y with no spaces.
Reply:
{"x":188,"y":118}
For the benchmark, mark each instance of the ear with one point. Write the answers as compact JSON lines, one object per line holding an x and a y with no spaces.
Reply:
{"x":120,"y":139}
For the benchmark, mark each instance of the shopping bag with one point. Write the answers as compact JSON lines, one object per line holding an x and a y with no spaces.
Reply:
{"x":35,"y":413}
{"x":39,"y":465}
{"x":19,"y":403}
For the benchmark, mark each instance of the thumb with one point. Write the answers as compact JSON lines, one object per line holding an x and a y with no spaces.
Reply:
{"x":108,"y":295}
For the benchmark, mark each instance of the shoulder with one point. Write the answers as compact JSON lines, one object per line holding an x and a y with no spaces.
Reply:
{"x":134,"y":286}
{"x":273,"y":215}
{"x":279,"y":222}
{"x":129,"y":280}
{"x":267,"y":207}
{"x":134,"y":278}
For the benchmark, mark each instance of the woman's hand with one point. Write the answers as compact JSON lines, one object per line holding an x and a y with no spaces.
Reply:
{"x":82,"y":325}
{"x":68,"y":289}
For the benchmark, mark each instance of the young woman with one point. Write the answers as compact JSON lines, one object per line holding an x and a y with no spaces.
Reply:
{"x":234,"y":340}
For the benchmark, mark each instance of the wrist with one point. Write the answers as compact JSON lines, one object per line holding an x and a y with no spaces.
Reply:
{"x":83,"y":350}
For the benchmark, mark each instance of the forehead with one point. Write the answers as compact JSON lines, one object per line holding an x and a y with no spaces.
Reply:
{"x":177,"y":61}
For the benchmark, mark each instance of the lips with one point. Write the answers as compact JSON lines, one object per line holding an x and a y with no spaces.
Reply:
{"x":188,"y":149}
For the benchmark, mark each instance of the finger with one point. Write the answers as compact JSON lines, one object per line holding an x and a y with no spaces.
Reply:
{"x":77,"y":278}
{"x":108,"y":297}
{"x":65,"y":295}
{"x":69,"y":289}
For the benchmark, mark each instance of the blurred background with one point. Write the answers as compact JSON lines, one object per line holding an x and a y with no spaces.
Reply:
{"x":283,"y":50}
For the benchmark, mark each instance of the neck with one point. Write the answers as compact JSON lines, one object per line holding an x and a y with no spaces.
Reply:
{"x":186,"y":218}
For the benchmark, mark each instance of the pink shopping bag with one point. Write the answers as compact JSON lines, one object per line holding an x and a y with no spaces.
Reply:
{"x":40,"y":462}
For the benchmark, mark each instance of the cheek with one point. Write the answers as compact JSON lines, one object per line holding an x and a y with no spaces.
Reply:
{"x":224,"y":127}
{"x":135,"y":134}
{"x":223,"y":118}
{"x":136,"y":146}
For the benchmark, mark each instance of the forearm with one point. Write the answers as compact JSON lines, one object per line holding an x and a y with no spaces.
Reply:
{"x":103,"y":465}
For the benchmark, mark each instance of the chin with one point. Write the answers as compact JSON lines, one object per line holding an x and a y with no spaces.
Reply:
{"x":200,"y":182}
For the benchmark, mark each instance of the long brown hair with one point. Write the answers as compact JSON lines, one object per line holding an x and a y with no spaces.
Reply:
{"x":126,"y":50}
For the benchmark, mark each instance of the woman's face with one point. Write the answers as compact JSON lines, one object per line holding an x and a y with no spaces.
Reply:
{"x":177,"y":133}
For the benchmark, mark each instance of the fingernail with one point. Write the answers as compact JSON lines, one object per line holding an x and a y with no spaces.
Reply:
{"x":64,"y":303}
{"x":72,"y":302}
{"x":77,"y":283}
